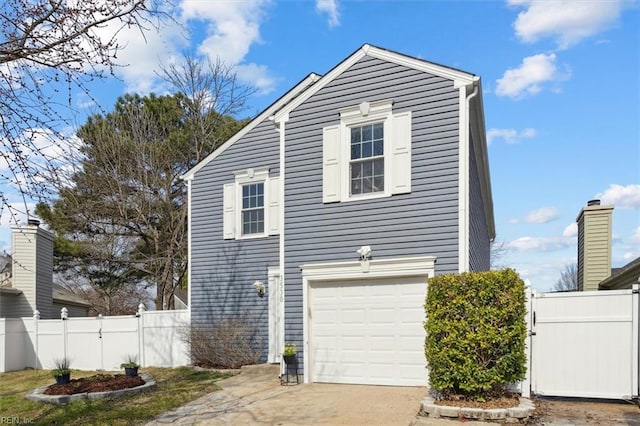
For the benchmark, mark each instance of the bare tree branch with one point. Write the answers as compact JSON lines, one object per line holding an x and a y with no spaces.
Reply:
{"x":48,"y":49}
{"x":568,"y":280}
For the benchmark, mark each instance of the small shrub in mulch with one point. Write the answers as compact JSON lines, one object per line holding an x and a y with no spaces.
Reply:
{"x":505,"y":401}
{"x":97,"y":383}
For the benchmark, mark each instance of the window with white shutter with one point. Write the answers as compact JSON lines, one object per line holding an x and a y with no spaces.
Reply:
{"x":251,"y":205}
{"x":368,"y":155}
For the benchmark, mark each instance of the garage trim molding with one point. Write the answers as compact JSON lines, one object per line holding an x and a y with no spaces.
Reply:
{"x":317,"y":273}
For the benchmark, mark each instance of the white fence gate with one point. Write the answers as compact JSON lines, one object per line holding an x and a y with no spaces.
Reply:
{"x":585,"y":344}
{"x":96,"y":343}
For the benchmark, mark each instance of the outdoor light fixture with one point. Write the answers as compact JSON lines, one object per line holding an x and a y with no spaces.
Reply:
{"x":365,"y":254}
{"x":259,"y":285}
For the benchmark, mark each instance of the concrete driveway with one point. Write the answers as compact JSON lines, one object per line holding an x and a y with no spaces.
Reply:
{"x":256,"y":397}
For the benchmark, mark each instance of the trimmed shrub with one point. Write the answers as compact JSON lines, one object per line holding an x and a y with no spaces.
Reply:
{"x":476,"y":333}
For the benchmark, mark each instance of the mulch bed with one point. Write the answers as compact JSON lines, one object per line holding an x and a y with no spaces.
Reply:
{"x":97,"y":383}
{"x":505,"y":401}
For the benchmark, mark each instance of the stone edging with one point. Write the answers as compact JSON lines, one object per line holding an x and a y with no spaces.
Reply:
{"x":39,"y":396}
{"x":510,"y":415}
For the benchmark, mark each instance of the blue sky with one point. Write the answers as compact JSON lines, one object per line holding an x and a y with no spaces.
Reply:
{"x":561,"y":84}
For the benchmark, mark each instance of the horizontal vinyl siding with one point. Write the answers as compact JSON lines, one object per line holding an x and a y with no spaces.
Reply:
{"x":223,"y":271}
{"x":424,"y":222}
{"x":479,"y":243}
{"x":44,"y":275}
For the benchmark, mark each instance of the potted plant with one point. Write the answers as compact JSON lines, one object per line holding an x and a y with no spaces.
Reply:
{"x":62,"y":372}
{"x":130,"y":366}
{"x":290,"y":352}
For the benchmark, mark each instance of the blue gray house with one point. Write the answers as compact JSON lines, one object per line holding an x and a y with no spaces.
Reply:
{"x":342,"y":198}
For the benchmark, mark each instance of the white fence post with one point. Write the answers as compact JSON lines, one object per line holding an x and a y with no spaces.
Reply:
{"x":36,"y":319}
{"x":64,"y":315}
{"x":635,"y":330}
{"x":526,"y":383}
{"x":140,"y":314}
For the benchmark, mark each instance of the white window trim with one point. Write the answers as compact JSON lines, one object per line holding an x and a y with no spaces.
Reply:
{"x":336,"y":151}
{"x":251,"y":176}
{"x":356,"y":116}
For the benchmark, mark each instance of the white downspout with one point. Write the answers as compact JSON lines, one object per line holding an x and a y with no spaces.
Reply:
{"x":463,"y":177}
{"x":188,"y":183}
{"x":281,"y":254}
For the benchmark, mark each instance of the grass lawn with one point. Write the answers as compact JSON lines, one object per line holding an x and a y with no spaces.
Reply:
{"x":174,"y":387}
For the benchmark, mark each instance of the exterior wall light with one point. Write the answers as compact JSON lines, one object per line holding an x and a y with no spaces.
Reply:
{"x":365,"y":254}
{"x":259,"y":286}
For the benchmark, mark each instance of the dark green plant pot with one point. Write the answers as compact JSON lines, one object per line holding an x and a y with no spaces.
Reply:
{"x":63,"y":379}
{"x":290,"y":359}
{"x":131,"y":371}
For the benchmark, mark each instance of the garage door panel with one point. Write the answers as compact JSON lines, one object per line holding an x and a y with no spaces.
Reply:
{"x":353,"y":316}
{"x":381,"y":315}
{"x":369,"y":332}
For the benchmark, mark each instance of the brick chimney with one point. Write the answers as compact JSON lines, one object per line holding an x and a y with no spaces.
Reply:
{"x":594,"y":245}
{"x":32,"y":270}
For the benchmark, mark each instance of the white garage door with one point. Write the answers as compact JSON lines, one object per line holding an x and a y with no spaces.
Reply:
{"x":368,"y":332}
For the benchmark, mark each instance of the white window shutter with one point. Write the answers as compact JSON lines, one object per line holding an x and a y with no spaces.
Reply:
{"x":228,"y":211}
{"x":274,"y":206}
{"x":331,"y":164}
{"x":401,"y":153}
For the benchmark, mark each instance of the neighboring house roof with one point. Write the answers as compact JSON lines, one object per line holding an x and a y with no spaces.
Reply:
{"x":313,"y":83}
{"x":62,"y":296}
{"x":10,"y":291}
{"x":622,"y":277}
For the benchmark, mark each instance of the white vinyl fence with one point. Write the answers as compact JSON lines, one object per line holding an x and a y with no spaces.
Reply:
{"x":585,"y":344}
{"x":95,"y":343}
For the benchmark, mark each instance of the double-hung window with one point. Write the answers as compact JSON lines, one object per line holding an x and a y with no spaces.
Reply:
{"x":368,"y":154}
{"x":253,"y":208}
{"x":367,"y":159}
{"x":251,"y":205}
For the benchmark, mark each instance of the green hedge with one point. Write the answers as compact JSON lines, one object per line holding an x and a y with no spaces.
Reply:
{"x":476,"y":333}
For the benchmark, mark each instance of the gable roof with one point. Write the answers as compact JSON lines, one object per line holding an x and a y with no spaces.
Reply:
{"x":314,"y":82}
{"x":268,"y":112}
{"x":460,"y":78}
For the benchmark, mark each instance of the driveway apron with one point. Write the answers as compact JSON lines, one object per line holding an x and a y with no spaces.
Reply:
{"x":257,"y":397}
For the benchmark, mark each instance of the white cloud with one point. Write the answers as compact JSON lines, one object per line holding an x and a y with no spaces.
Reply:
{"x":539,"y":243}
{"x":330,"y":7}
{"x":635,"y":238}
{"x":510,"y":136}
{"x":529,"y":77}
{"x":622,"y":197}
{"x":17,"y":214}
{"x":143,"y":50}
{"x":258,"y":75}
{"x":567,"y":22}
{"x":571,"y":231}
{"x":231,"y":29}
{"x":541,"y":215}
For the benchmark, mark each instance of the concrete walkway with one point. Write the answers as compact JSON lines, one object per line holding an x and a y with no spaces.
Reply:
{"x":256,"y":397}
